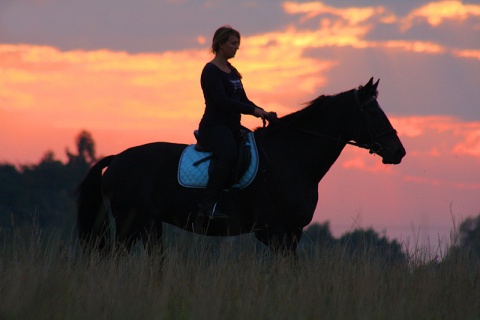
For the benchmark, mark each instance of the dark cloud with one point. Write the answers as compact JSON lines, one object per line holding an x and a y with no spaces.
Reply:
{"x":449,"y":33}
{"x":147,"y":25}
{"x":133,"y":26}
{"x":411,"y":83}
{"x":399,"y":7}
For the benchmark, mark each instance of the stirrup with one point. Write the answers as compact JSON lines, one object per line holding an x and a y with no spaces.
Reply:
{"x":212,"y":214}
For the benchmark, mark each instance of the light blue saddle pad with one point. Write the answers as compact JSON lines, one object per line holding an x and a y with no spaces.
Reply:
{"x":193,"y":171}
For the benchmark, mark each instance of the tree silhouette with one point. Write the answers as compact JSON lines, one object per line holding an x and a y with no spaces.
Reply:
{"x":85,"y":149}
{"x":318,"y":234}
{"x":12,"y":194}
{"x":469,"y":240}
{"x":470,"y":234}
{"x":362,"y":244}
{"x":367,"y":243}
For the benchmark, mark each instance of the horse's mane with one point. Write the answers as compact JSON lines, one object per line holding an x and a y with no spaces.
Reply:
{"x":313,"y":109}
{"x":316,"y":106}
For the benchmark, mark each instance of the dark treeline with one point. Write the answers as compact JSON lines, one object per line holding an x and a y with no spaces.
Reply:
{"x":44,"y":194}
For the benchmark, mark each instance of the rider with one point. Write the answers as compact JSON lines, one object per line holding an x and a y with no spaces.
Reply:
{"x":219,"y":129}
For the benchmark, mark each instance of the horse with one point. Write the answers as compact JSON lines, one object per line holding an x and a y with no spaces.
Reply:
{"x":137,"y":189}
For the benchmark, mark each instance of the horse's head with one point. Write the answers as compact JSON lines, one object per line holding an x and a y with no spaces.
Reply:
{"x":374,"y":131}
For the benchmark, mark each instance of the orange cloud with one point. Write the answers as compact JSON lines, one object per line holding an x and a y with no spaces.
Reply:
{"x":435,"y":13}
{"x":75,"y":86}
{"x":343,"y":27}
{"x":349,"y":26}
{"x":104,"y":90}
{"x":275,"y":62}
{"x":473,"y":54}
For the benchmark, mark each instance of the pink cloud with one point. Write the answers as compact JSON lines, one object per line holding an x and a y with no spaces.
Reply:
{"x":470,"y":142}
{"x":357,"y":159}
{"x":353,"y":15}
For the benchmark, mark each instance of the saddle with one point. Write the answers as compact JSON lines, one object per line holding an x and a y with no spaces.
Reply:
{"x":196,"y":163}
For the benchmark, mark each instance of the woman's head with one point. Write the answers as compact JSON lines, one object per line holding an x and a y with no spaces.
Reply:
{"x":222,"y":35}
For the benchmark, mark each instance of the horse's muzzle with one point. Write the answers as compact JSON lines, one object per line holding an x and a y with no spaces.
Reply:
{"x":394,"y":158}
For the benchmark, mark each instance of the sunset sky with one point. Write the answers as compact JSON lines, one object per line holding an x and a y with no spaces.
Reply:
{"x":128,"y":72}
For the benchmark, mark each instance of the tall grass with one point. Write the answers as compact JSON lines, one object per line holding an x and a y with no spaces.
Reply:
{"x":42,"y":277}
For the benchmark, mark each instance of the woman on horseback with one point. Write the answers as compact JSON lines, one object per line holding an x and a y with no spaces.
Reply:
{"x":219,"y":129}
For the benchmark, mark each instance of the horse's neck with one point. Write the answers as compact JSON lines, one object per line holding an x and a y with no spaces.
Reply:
{"x":300,"y":151}
{"x":320,"y":154}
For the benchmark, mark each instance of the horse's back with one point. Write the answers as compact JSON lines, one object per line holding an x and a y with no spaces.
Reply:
{"x":154,"y":149}
{"x":142,"y":163}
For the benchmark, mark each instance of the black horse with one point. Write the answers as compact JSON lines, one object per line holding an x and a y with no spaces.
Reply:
{"x":139,"y":189}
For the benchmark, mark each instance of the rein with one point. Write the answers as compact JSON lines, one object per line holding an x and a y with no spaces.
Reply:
{"x":373,"y":147}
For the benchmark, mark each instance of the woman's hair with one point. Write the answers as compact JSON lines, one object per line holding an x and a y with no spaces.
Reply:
{"x":221,"y":36}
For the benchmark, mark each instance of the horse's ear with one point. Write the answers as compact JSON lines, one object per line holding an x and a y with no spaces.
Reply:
{"x":376,"y":84}
{"x":369,"y":83}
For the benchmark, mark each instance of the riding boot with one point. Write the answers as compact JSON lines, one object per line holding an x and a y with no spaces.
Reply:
{"x":217,"y":180}
{"x":208,"y":207}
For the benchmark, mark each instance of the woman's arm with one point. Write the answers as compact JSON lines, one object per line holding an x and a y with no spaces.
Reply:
{"x":213,"y":88}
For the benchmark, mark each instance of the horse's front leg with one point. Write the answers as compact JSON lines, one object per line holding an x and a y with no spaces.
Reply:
{"x":281,"y":241}
{"x":151,"y":237}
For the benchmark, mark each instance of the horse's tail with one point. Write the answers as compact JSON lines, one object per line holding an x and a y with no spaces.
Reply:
{"x":92,"y":213}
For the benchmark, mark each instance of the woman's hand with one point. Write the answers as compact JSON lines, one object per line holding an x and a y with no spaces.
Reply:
{"x":260,"y":113}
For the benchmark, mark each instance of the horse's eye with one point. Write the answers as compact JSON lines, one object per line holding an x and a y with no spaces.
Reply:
{"x":372,"y":111}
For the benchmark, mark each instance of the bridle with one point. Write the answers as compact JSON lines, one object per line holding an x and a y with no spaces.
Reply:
{"x":373,"y":146}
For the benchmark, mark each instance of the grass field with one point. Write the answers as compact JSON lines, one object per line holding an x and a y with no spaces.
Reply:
{"x":195,"y":278}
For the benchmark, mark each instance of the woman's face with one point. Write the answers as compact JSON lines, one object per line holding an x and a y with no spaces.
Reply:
{"x":229,"y":48}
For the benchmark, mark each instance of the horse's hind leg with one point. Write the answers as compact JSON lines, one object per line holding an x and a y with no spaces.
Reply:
{"x":137,"y":224}
{"x":124,"y":219}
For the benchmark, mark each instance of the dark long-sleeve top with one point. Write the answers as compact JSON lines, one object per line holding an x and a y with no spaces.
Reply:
{"x":225,"y":98}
